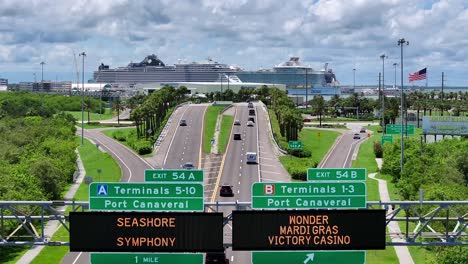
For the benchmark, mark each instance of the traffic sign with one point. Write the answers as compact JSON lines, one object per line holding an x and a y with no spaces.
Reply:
{"x":396,"y":129}
{"x":108,"y":196}
{"x":309,"y":257}
{"x":386,"y":138}
{"x":341,"y":174}
{"x":174,"y":176}
{"x":146,"y":232}
{"x":295,"y":144}
{"x":308,"y":230}
{"x":161,"y":258}
{"x":301,"y":195}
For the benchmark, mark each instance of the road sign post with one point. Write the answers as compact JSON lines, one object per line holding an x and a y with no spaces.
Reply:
{"x":309,"y":257}
{"x":302,"y":195}
{"x":146,"y":196}
{"x":341,"y":174}
{"x":295,"y":144}
{"x":136,"y":258}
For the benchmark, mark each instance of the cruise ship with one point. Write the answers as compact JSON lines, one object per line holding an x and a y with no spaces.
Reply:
{"x":152,"y":70}
{"x":296,"y":77}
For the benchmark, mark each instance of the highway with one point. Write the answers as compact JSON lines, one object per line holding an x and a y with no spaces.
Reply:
{"x":183,"y":146}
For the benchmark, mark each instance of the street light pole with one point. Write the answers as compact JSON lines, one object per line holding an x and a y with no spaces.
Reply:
{"x":82,"y":102}
{"x":402,"y":42}
{"x":42,"y":70}
{"x":307,"y":91}
{"x":354,"y":80}
{"x":383,"y":56}
{"x":394,"y":65}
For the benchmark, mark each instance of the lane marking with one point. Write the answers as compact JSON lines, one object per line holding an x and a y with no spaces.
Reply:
{"x":201,"y":139}
{"x":270,"y":172}
{"x":79,"y":255}
{"x":173,"y":136}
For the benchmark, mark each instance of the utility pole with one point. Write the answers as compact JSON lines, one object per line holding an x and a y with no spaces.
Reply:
{"x":381,"y":110}
{"x":383,"y":56}
{"x":442,"y":95}
{"x":354,"y":80}
{"x":401,"y":42}
{"x":394,"y":65}
{"x":82,"y":102}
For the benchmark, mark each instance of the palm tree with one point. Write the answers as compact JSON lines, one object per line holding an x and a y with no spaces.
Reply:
{"x":318,"y":107}
{"x":118,"y":105}
{"x":88,"y":106}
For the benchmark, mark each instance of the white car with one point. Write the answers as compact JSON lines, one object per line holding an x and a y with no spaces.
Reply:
{"x":250,"y":123}
{"x":237,"y":123}
{"x":251,"y":157}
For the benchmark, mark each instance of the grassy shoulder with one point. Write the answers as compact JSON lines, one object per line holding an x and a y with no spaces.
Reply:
{"x":93,"y":159}
{"x":127,"y":137}
{"x":318,"y":142}
{"x":107,"y":114}
{"x":94,"y":125}
{"x":225,"y":132}
{"x":211,"y":117}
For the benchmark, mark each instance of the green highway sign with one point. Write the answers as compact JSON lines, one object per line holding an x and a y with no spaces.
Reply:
{"x":110,"y":196}
{"x":386,"y":138}
{"x":295,"y":144}
{"x":309,"y":257}
{"x":136,"y":258}
{"x":301,"y":195}
{"x":174,"y":176}
{"x":341,"y":174}
{"x":396,"y":129}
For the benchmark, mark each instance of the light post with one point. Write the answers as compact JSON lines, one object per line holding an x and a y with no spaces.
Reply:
{"x":82,"y":102}
{"x":354,"y":79}
{"x":42,"y":70}
{"x":307,"y":91}
{"x":401,"y":43}
{"x":383,"y":56}
{"x":394,"y":65}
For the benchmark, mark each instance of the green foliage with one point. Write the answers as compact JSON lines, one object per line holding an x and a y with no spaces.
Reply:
{"x":378,"y":150}
{"x":451,"y":255}
{"x":211,"y":117}
{"x":301,"y":153}
{"x":119,"y":135}
{"x":142,"y":146}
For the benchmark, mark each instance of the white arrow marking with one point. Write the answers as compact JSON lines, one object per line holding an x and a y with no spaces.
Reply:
{"x":309,"y":257}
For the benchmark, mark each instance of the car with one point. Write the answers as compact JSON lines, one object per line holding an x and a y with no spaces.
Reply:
{"x":183,"y":122}
{"x":237,"y":136}
{"x":216,"y":258}
{"x":237,"y":122}
{"x":363,"y":130}
{"x":252,"y":112}
{"x":250,"y":123}
{"x":226,"y":191}
{"x":188,"y":166}
{"x":251,"y":157}
{"x":251,"y":119}
{"x":357,"y":136}
{"x":250,"y":105}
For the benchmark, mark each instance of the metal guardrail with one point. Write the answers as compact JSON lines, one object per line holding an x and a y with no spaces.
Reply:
{"x":433,"y":223}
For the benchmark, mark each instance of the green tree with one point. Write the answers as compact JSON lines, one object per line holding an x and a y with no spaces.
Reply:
{"x":118,"y":105}
{"x":319,"y":107}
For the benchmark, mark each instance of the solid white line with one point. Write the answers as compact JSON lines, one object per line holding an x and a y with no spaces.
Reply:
{"x":238,"y":191}
{"x":330,"y":152}
{"x":270,"y":172}
{"x":349,"y":152}
{"x":232,"y":258}
{"x":173,"y":136}
{"x":267,"y":165}
{"x":77,"y":257}
{"x":258,"y":143}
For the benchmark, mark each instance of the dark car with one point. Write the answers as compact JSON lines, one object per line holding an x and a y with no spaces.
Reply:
{"x":251,"y":119}
{"x":237,"y":122}
{"x":237,"y":136}
{"x":252,"y":112}
{"x":226,"y":191}
{"x":183,"y":122}
{"x":188,"y":166}
{"x":250,"y":105}
{"x":357,"y":136}
{"x":363,"y":130}
{"x":216,"y":258}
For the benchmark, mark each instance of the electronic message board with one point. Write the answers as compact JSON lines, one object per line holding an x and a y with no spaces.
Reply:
{"x":146,"y":232}
{"x":308,"y":230}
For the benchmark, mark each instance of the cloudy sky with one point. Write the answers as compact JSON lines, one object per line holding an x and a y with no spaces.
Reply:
{"x":251,"y":34}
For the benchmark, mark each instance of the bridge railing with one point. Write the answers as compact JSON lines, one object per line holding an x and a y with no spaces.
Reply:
{"x":429,"y":223}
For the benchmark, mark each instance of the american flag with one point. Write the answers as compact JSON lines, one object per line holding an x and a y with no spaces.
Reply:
{"x":419,"y":75}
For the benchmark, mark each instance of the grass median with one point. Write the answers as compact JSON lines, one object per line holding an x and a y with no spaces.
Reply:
{"x":93,"y":159}
{"x":225,"y":132}
{"x":211,"y":117}
{"x":107,"y":114}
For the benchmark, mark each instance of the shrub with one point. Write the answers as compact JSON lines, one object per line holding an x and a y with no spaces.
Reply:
{"x":378,"y":150}
{"x":298,"y":174}
{"x":119,"y":135}
{"x":301,"y":153}
{"x":143,"y":147}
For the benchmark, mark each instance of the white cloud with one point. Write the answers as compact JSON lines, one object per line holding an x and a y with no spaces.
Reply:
{"x":251,"y":34}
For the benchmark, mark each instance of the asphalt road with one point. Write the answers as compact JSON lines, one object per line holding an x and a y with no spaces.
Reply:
{"x":341,"y":154}
{"x":133,"y":169}
{"x":185,"y":145}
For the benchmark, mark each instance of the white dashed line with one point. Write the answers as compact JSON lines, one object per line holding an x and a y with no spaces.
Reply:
{"x":270,"y":172}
